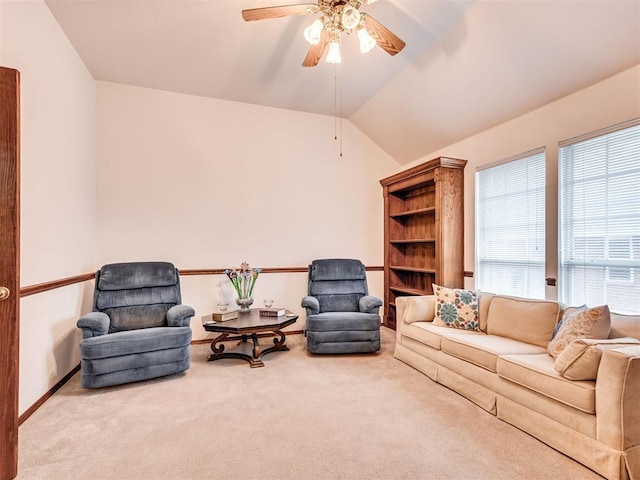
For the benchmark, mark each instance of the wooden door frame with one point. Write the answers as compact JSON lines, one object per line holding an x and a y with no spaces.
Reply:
{"x":9,"y":268}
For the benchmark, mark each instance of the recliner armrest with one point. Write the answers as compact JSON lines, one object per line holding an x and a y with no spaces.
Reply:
{"x":370,"y":304}
{"x":180,"y":315}
{"x":94,"y":324}
{"x":311,"y":304}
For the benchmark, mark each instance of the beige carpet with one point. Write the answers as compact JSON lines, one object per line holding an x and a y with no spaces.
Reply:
{"x":299,"y":417}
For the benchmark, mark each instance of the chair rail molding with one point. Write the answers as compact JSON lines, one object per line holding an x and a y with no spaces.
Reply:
{"x":84,"y":277}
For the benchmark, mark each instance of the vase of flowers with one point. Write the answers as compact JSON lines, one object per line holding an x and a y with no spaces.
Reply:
{"x":245,"y":303}
{"x":243,"y":280}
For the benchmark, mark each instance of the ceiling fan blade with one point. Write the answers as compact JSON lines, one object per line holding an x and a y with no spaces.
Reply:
{"x":282,"y":11}
{"x":316,"y":51}
{"x":385,"y":38}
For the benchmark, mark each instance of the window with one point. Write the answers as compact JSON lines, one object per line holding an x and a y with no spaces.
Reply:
{"x":599,"y":219}
{"x":510,"y":226}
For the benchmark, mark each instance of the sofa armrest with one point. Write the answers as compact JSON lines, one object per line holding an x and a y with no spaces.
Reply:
{"x":311,"y":304}
{"x":618,"y":397}
{"x":401,"y":307}
{"x":94,"y":324}
{"x":369,"y":304}
{"x":413,"y":309}
{"x":180,"y":315}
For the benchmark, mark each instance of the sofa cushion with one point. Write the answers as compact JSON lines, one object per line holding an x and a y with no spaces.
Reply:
{"x":581,"y":323}
{"x":456,"y":308}
{"x":419,"y":331}
{"x":536,"y":373}
{"x":527,"y":320}
{"x":430,"y":334}
{"x":624,"y":326}
{"x":581,"y":359}
{"x":483,"y":350}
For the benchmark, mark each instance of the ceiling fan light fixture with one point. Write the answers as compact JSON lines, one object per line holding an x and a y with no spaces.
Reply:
{"x":333,"y":55}
{"x":350,"y":17}
{"x":312,"y":32}
{"x":337,"y":17}
{"x":366,"y":41}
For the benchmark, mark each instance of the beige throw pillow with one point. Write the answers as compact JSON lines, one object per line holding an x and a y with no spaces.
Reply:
{"x":484,"y":300}
{"x":624,"y":325}
{"x":581,"y":323}
{"x":581,"y":359}
{"x":524,"y":319}
{"x":456,"y":308}
{"x":420,"y":309}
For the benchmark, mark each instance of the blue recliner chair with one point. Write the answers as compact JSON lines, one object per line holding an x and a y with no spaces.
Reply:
{"x":138,"y":329}
{"x":341,"y":316}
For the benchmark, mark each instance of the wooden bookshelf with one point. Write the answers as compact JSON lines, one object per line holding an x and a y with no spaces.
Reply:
{"x":423,"y":230}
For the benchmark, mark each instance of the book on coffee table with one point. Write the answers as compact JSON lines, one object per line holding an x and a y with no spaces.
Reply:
{"x":223,"y":316}
{"x":272,"y":312}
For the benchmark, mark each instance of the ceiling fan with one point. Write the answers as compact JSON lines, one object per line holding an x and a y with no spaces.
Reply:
{"x":337,"y":16}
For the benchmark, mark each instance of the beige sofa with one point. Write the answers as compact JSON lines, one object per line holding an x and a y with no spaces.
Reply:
{"x":505,"y":369}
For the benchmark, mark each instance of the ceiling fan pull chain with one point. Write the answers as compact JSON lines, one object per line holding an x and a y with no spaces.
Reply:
{"x":340,"y":100}
{"x":337,"y":107}
{"x":335,"y":102}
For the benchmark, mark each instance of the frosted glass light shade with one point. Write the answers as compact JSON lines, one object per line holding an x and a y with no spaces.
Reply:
{"x":333,"y":56}
{"x":366,"y":41}
{"x":312,"y":32}
{"x":350,"y":18}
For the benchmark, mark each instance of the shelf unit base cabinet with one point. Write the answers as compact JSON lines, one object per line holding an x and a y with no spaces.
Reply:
{"x":423,"y":230}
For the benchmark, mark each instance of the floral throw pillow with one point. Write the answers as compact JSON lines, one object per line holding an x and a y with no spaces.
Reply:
{"x":456,"y":308}
{"x":578,"y":323}
{"x":567,"y":311}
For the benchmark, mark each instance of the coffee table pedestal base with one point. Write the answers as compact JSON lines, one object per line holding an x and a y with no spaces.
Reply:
{"x":245,"y":351}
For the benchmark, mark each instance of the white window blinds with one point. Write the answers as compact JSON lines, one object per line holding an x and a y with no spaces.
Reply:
{"x":510,"y":226}
{"x":599,"y":219}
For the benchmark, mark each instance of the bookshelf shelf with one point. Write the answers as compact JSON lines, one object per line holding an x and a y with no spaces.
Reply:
{"x":412,"y":269}
{"x":413,"y":240}
{"x":417,"y":211}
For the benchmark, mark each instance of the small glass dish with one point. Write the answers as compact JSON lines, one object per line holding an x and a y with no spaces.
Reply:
{"x":268,"y":303}
{"x":222,"y":306}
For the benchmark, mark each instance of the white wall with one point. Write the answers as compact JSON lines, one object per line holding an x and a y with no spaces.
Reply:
{"x":606,"y":103}
{"x":230,"y":182}
{"x":209,"y":183}
{"x":206,"y":183}
{"x":57,"y":189}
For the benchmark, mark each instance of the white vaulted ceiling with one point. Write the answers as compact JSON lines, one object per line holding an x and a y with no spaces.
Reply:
{"x":468,"y":65}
